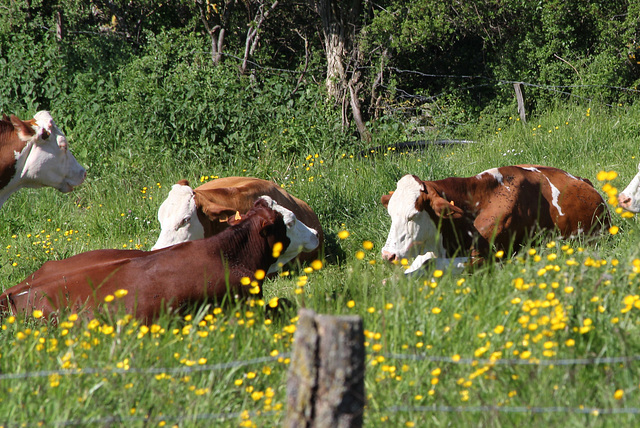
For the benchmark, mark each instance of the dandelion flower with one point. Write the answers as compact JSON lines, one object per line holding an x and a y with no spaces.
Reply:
{"x":343,"y":234}
{"x":618,"y":394}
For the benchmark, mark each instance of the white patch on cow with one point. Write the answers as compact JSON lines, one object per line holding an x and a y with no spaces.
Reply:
{"x":302,"y":237}
{"x":178,"y":217}
{"x":45,"y":161}
{"x":494,"y":172}
{"x":530,"y":168}
{"x":454,"y":265}
{"x":412,"y":232}
{"x":629,"y":198}
{"x":555,"y":193}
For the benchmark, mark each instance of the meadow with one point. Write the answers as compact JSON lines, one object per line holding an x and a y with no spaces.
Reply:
{"x":545,"y":336}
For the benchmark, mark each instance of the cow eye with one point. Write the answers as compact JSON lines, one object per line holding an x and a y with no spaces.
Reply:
{"x":184,"y":222}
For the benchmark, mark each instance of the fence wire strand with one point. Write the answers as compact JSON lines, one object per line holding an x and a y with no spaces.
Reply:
{"x":148,"y":370}
{"x":517,"y":362}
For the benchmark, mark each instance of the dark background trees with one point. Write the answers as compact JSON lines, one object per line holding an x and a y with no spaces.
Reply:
{"x":190,"y":76}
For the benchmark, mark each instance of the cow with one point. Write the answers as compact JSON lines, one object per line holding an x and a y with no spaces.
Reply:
{"x":456,"y":218}
{"x":168,"y":279}
{"x":189,"y":214}
{"x":35,"y":153}
{"x":629,"y":198}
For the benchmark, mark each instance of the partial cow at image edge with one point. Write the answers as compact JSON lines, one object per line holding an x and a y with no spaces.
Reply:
{"x":455,"y":220}
{"x":35,"y":153}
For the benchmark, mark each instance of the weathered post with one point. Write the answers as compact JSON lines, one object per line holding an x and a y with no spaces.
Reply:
{"x":520,"y":98}
{"x":325,"y":383}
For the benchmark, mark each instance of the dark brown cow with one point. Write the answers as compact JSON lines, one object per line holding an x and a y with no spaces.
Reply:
{"x":500,"y":206}
{"x":189,"y":214}
{"x":35,"y":153}
{"x":169,"y":278}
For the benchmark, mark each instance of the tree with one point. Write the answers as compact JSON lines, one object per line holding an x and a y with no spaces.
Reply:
{"x":341,"y":24}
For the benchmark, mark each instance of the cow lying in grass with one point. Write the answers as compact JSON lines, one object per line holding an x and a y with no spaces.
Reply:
{"x":170,"y":278}
{"x":35,"y":153}
{"x":189,"y":214}
{"x":449,"y":220}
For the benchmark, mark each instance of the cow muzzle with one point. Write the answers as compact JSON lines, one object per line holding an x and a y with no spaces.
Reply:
{"x":624,"y":201}
{"x":390,"y":257}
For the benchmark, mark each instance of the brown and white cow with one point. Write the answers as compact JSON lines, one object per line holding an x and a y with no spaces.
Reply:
{"x":170,"y":278}
{"x":498,"y":208}
{"x":35,"y":153}
{"x":189,"y":214}
{"x":629,"y":198}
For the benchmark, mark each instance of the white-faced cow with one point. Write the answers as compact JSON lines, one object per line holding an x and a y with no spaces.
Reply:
{"x":35,"y":153}
{"x":629,"y":198}
{"x":189,"y":214}
{"x":170,"y":278}
{"x":497,"y":209}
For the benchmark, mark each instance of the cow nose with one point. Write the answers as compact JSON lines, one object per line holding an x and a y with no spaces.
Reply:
{"x":388,"y":256}
{"x":624,"y":200}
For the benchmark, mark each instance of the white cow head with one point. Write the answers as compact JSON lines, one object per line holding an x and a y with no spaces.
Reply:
{"x":629,"y":199}
{"x":45,"y":159}
{"x":49,"y":161}
{"x":413,"y":232}
{"x":302,"y":237}
{"x":178,"y":217}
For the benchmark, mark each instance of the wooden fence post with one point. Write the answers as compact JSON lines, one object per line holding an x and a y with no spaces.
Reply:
{"x":325,"y":383}
{"x":520,"y":98}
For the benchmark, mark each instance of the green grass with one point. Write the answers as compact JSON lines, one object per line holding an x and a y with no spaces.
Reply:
{"x":549,"y":302}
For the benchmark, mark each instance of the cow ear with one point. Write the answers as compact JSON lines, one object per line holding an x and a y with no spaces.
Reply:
{"x":385,"y":199}
{"x":441,"y":207}
{"x":446,"y":209}
{"x":24,"y":131}
{"x":184,"y":182}
{"x":219,"y":212}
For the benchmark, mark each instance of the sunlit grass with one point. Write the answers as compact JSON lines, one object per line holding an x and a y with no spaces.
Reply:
{"x":497,"y":336}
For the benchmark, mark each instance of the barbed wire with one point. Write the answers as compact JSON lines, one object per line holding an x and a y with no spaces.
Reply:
{"x":148,"y":370}
{"x":517,"y":362}
{"x":514,"y":409}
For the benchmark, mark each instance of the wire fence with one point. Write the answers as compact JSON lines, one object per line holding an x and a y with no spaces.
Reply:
{"x":221,"y":416}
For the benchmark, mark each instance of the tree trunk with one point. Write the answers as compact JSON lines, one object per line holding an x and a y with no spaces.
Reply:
{"x":253,"y":35}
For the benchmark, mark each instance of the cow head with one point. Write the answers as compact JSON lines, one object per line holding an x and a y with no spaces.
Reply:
{"x":178,"y":217}
{"x":413,"y":206}
{"x":629,"y":199}
{"x":46,"y":159}
{"x":301,"y":237}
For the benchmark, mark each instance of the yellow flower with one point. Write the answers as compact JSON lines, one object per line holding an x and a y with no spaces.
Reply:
{"x":316,"y":264}
{"x":343,"y":234}
{"x":359,"y":255}
{"x":277,"y":249}
{"x":37,"y":313}
{"x":121,"y":293}
{"x":108,"y":298}
{"x":614,"y":230}
{"x":500,"y":254}
{"x":260,"y":274}
{"x":618,"y":394}
{"x":367,"y":245}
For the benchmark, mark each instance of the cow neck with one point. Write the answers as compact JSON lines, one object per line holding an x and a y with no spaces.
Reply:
{"x":454,"y":232}
{"x":459,"y":190}
{"x":13,"y":156}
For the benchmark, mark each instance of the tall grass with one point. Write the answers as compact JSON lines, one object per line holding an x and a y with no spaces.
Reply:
{"x":553,"y":301}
